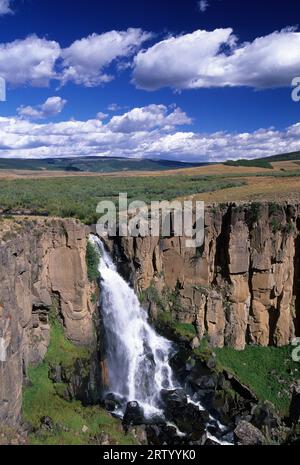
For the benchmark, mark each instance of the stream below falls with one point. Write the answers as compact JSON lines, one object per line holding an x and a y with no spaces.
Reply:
{"x":142,"y":385}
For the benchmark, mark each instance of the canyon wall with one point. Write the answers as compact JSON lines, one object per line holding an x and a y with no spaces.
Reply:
{"x":240,"y":287}
{"x":42,"y":266}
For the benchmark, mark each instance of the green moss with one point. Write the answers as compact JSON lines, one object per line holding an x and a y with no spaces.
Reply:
{"x":275,"y":219}
{"x":174,"y":329}
{"x":165,"y":318}
{"x":92,"y":262}
{"x":254,"y":212}
{"x":275,"y":225}
{"x":274,"y":208}
{"x":61,"y":350}
{"x":204,"y":348}
{"x":289,"y":227}
{"x":94,"y":298}
{"x":186,"y":330}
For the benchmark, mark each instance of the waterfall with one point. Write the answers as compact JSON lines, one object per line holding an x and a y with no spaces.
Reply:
{"x":137,"y":357}
{"x":137,"y":368}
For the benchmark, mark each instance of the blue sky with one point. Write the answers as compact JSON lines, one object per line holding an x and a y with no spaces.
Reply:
{"x":192,"y":80}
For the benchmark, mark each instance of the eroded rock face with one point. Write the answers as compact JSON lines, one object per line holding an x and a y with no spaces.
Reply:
{"x":241,"y":286}
{"x":43,"y":262}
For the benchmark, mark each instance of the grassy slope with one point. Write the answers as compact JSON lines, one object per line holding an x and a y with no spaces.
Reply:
{"x":262,"y":163}
{"x":268,"y":371}
{"x":266,"y":161}
{"x":283,"y":157}
{"x":40,"y":399}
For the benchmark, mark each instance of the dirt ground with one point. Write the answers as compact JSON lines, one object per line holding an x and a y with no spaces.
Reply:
{"x":262,"y":188}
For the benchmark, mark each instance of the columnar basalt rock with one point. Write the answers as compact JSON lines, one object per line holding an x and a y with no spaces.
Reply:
{"x":41,"y":262}
{"x":239,"y":287}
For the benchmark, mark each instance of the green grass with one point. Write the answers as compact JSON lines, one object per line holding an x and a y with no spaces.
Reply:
{"x":186,"y":330}
{"x":78,"y":196}
{"x":266,"y":370}
{"x":41,"y":398}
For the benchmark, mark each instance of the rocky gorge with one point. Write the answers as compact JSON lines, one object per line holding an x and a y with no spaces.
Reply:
{"x":239,"y":289}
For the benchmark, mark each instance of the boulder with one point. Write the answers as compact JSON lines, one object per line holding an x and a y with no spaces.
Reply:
{"x":174,"y":398}
{"x":264,"y":417}
{"x":187,"y":416}
{"x":164,"y":434}
{"x":248,"y":435}
{"x":112,"y":402}
{"x":134,"y":414}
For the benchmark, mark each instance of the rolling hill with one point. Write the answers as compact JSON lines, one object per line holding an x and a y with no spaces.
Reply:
{"x":93,"y":164}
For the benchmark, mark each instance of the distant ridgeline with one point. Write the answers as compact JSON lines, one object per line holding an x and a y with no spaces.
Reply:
{"x":93,"y":164}
{"x":264,"y":162}
{"x":114,"y":164}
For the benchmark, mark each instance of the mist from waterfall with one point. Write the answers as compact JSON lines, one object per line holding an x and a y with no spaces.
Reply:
{"x":137,"y":357}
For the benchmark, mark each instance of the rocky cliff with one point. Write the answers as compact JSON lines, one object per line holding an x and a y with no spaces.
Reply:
{"x":41,"y":262}
{"x":240,"y":287}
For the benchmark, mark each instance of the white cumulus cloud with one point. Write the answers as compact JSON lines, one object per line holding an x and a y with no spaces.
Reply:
{"x":86,"y":60}
{"x":201,"y":59}
{"x":51,"y":107}
{"x":147,"y":118}
{"x":137,"y":134}
{"x":29,"y":61}
{"x":37,"y":61}
{"x":206,"y":59}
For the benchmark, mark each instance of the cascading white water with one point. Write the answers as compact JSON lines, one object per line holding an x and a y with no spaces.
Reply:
{"x":137,"y":357}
